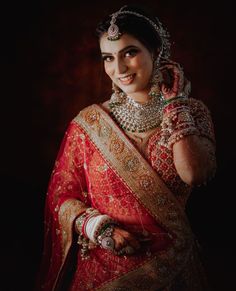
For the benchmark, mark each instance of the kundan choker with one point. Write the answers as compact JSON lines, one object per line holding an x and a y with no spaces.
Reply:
{"x":134,"y":116}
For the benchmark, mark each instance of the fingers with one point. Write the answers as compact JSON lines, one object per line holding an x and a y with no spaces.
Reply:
{"x":123,"y":240}
{"x":167,"y":92}
{"x":173,"y":79}
{"x":118,"y":238}
{"x":186,"y":87}
{"x":132,"y":241}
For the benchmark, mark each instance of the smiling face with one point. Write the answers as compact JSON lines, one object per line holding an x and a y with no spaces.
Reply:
{"x":128,"y":63}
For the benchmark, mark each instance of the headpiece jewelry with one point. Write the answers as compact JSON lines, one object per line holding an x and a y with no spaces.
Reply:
{"x":114,"y":33}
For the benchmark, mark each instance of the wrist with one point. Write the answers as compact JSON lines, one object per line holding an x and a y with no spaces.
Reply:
{"x":105,"y":239}
{"x":179,"y":97}
{"x":92,"y":223}
{"x":175,"y":104}
{"x":177,"y":122}
{"x":80,"y":221}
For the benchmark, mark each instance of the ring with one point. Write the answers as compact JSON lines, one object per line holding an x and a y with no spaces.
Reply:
{"x":129,"y":250}
{"x":108,"y":243}
{"x":121,"y":252}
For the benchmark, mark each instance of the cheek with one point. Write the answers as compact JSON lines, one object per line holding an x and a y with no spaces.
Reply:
{"x":144,"y":65}
{"x":108,"y":69}
{"x":149,"y":70}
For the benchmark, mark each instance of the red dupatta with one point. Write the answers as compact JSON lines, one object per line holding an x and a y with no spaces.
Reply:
{"x":142,"y":181}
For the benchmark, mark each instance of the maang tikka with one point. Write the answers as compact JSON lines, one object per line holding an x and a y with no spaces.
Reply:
{"x":114,"y":32}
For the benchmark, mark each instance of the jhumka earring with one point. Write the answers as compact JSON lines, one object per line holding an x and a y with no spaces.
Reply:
{"x":156,"y":79}
{"x":115,"y":88}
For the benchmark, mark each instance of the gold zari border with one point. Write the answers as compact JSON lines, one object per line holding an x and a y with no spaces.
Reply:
{"x":67,"y":213}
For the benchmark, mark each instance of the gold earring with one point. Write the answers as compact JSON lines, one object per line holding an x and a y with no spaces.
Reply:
{"x":155,"y":79}
{"x":115,"y":88}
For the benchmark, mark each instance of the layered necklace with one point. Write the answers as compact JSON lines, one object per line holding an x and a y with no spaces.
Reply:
{"x":136,"y":117}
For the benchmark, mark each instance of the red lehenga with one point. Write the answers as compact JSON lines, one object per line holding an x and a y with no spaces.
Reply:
{"x":98,"y":166}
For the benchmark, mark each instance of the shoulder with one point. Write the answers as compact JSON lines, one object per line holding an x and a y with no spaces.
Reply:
{"x":197,"y":105}
{"x":92,"y":112}
{"x":202,"y":118}
{"x":86,"y":109}
{"x":89,"y":110}
{"x":199,"y":110}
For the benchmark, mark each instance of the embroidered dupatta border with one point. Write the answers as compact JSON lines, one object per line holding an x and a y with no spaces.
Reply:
{"x":148,"y":188}
{"x":67,"y":213}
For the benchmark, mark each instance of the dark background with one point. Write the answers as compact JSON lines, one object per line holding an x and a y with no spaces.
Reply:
{"x":51,"y":69}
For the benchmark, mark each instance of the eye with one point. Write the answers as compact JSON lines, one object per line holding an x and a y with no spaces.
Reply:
{"x":131,"y":53}
{"x":107,"y":58}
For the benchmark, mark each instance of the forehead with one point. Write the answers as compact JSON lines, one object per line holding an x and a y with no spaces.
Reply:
{"x":113,"y":47}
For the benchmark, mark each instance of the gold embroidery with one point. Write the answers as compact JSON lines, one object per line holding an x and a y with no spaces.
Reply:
{"x":184,"y":117}
{"x":67,"y":213}
{"x":146,"y":182}
{"x":105,"y":129}
{"x":116,"y":146}
{"x":102,"y":168}
{"x":69,"y":210}
{"x":131,"y":163}
{"x":85,"y":194}
{"x":92,"y":116}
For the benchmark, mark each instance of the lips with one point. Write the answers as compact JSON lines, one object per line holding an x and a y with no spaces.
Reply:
{"x":128,"y":79}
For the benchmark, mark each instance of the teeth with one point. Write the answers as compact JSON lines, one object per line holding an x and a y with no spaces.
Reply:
{"x":127,"y":78}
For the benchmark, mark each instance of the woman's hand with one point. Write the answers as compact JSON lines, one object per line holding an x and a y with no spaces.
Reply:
{"x":173,"y":81}
{"x":125,"y":242}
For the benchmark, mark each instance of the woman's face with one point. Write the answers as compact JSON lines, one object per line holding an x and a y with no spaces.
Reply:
{"x":128,"y":63}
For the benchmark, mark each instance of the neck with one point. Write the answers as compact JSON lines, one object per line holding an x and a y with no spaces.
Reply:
{"x":140,"y":97}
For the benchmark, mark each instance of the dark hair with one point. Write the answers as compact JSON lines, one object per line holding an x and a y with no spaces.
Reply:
{"x":136,"y":26}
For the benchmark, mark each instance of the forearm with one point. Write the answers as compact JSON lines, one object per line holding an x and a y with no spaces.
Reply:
{"x":194,"y":159}
{"x":187,"y":131}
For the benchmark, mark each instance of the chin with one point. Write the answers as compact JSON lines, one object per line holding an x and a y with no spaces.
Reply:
{"x":133,"y":88}
{"x":129,"y":89}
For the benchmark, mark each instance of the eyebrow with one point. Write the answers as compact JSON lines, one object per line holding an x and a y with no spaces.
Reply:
{"x":122,"y":50}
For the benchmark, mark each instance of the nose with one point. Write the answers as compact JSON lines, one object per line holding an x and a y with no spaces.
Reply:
{"x":120,"y":66}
